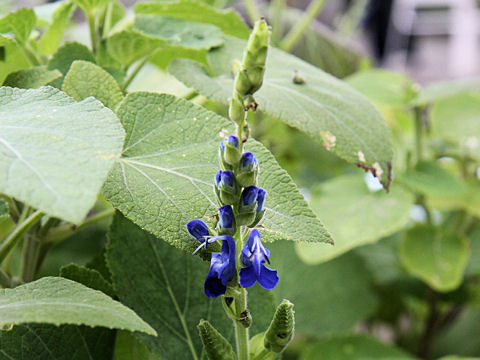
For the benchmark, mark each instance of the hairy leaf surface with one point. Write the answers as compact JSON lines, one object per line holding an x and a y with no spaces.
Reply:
{"x":56,"y":152}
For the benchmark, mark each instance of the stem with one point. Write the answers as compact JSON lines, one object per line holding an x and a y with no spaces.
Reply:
{"x":277,"y":26}
{"x":241,"y":332}
{"x":62,"y":232}
{"x":297,"y":31}
{"x":418,"y":133}
{"x":30,"y":254}
{"x":426,"y":342}
{"x":134,"y":72}
{"x":252,"y":10}
{"x":5,"y":281}
{"x":12,"y":207}
{"x":18,"y":232}
{"x":93,"y":31}
{"x":107,"y":22}
{"x":31,"y":57}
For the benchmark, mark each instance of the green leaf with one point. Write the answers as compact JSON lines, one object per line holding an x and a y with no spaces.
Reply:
{"x":440,"y":186}
{"x":49,"y":342}
{"x":437,"y":258}
{"x":384,"y":87}
{"x":455,"y":119}
{"x":58,"y":301}
{"x":66,"y":55}
{"x":330,"y":297}
{"x":128,"y":46}
{"x":20,"y":23}
{"x":323,"y":107}
{"x":169,"y":291}
{"x":32,"y":78}
{"x":180,"y":32}
{"x":165,"y":176}
{"x":13,"y":60}
{"x":88,"y":277}
{"x":474,"y":263}
{"x":128,"y":347}
{"x":227,"y":20}
{"x":86,"y":79}
{"x":353,"y":347}
{"x":56,"y":152}
{"x":49,"y":42}
{"x":355,"y":216}
{"x":441,"y":90}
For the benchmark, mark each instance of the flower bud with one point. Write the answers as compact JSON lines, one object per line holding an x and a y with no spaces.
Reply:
{"x":236,"y":111}
{"x":281,"y":329}
{"x":260,"y":210}
{"x":215,"y":345}
{"x":226,"y":187}
{"x":197,"y":229}
{"x":226,"y":224}
{"x":230,"y":151}
{"x":248,"y":206}
{"x":257,"y":349}
{"x":248,"y":170}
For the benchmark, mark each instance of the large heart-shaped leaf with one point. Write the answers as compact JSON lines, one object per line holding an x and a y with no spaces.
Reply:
{"x":165,"y":176}
{"x":169,"y":291}
{"x":320,"y":105}
{"x":55,"y":300}
{"x":56,"y":152}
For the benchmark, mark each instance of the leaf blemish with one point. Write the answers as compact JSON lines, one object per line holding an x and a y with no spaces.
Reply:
{"x":329,"y":140}
{"x":361,"y":156}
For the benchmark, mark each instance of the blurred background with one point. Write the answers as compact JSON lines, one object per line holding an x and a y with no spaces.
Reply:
{"x":430,"y":40}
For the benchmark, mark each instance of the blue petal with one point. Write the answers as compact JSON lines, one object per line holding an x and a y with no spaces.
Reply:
{"x":268,"y":278}
{"x":249,"y":159}
{"x":233,"y":140}
{"x":197,"y":229}
{"x":247,"y":276}
{"x":218,"y":177}
{"x":226,"y":216}
{"x":260,"y":199}
{"x":214,"y":287}
{"x":227,"y":177}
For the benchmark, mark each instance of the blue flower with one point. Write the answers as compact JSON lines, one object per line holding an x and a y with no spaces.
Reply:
{"x":249,"y":195}
{"x":254,"y":256}
{"x":231,"y":140}
{"x":197,"y":229}
{"x":223,"y":178}
{"x":260,"y":199}
{"x":222,"y":268}
{"x":249,"y":161}
{"x":226,"y":223}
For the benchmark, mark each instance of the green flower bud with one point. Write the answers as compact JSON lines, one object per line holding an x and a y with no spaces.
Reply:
{"x":236,"y":111}
{"x":247,"y":206}
{"x":247,"y":170}
{"x":230,"y":151}
{"x":226,"y":187}
{"x":215,"y":345}
{"x":281,"y":329}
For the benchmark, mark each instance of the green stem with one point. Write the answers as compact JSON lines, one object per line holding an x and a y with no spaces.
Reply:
{"x":5,"y":281}
{"x":134,"y":72}
{"x":93,"y":31}
{"x":18,"y":232}
{"x":30,"y":254}
{"x":252,"y":10}
{"x":31,"y":57}
{"x":277,"y":26}
{"x":12,"y":207}
{"x":107,"y":22}
{"x":418,"y":133}
{"x":62,"y":232}
{"x":297,"y":31}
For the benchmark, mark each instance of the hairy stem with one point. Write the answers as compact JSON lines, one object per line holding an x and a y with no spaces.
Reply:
{"x":18,"y":232}
{"x":30,"y":254}
{"x":297,"y":31}
{"x":93,"y":31}
{"x":134,"y":72}
{"x":5,"y":281}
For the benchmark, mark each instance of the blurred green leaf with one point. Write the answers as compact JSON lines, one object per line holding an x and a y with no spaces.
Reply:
{"x":65,"y":56}
{"x":86,"y":79}
{"x":227,"y":20}
{"x":89,"y":6}
{"x":437,"y":258}
{"x":49,"y":42}
{"x":129,"y":347}
{"x":353,"y":347}
{"x":44,"y":138}
{"x":20,"y":23}
{"x":384,"y":87}
{"x":474,"y":262}
{"x":13,"y":59}
{"x":32,"y":78}
{"x":88,"y":277}
{"x":58,"y":301}
{"x":169,"y":291}
{"x":354,"y":215}
{"x":456,"y":120}
{"x":441,"y":90}
{"x":4,"y":213}
{"x":165,"y":176}
{"x":323,"y":107}
{"x":323,"y":294}
{"x":180,"y":32}
{"x":49,"y":342}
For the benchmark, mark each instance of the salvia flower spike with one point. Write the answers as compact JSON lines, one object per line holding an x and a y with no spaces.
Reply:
{"x":222,"y":268}
{"x":254,"y":257}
